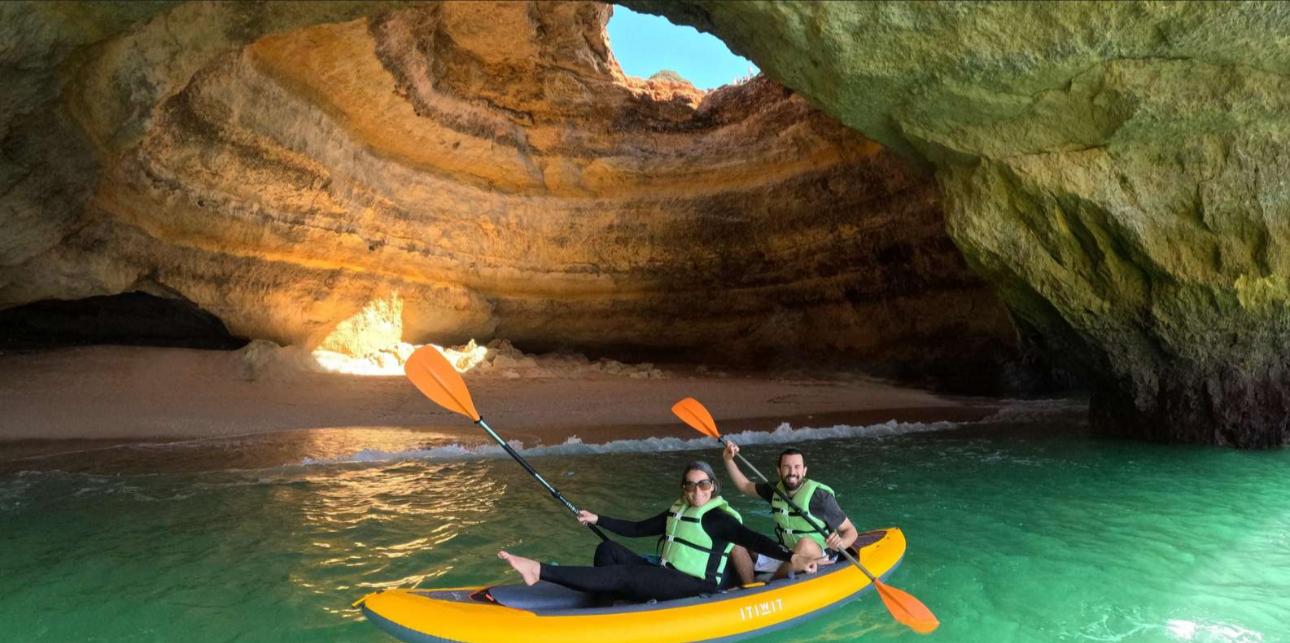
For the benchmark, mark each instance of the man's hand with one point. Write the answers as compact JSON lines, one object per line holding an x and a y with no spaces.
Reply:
{"x":587,"y":518}
{"x":834,"y":541}
{"x":804,"y":563}
{"x":731,"y":451}
{"x":742,"y":483}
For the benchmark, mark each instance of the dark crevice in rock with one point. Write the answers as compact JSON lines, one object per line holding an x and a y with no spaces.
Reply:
{"x":130,"y":319}
{"x":1242,"y":407}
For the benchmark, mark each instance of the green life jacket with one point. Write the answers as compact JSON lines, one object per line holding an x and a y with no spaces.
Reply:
{"x":687,"y":548}
{"x":789,"y":526}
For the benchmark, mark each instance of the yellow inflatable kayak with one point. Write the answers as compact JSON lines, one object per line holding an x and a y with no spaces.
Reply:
{"x":548,"y":612}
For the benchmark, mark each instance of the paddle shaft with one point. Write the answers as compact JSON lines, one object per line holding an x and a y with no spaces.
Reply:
{"x":536,"y":476}
{"x":798,"y":510}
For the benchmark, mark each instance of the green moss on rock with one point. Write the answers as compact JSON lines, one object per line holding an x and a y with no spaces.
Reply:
{"x":1117,"y":170}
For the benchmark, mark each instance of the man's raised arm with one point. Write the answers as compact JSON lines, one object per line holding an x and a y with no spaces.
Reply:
{"x":741,"y":481}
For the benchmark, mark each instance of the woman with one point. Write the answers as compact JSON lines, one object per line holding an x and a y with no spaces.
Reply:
{"x":698,"y":530}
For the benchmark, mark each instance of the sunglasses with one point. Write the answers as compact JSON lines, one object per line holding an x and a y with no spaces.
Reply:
{"x":704,"y":484}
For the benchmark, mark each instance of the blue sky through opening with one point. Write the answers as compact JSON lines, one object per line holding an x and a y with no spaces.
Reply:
{"x":645,"y":45}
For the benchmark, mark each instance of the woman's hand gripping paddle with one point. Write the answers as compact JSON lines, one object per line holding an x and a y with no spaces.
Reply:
{"x":903,"y":607}
{"x":439,"y":381}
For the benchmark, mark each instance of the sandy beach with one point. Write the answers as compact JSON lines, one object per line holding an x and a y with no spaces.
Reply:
{"x":116,"y":392}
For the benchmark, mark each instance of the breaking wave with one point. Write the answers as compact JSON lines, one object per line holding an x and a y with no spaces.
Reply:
{"x":1013,"y":411}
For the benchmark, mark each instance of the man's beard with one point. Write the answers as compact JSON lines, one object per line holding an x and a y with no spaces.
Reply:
{"x":792,"y":483}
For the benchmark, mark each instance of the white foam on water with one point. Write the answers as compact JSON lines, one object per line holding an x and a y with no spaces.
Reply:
{"x":1011,"y":411}
{"x":783,"y":434}
{"x":1036,"y":410}
{"x":1185,"y":630}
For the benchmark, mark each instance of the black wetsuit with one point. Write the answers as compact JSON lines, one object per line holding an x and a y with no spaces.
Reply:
{"x":621,"y":572}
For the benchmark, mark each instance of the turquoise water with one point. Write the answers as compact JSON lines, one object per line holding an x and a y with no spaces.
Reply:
{"x":1018,"y":531}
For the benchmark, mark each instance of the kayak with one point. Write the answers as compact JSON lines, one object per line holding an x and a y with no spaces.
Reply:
{"x":549,"y":612}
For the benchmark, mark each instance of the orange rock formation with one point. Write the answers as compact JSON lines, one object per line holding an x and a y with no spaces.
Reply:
{"x":487,"y":169}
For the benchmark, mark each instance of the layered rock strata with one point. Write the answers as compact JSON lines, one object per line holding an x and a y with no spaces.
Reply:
{"x":486,"y":170}
{"x":1117,"y":170}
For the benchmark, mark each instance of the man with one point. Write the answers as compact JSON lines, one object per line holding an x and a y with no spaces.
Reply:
{"x":795,"y":533}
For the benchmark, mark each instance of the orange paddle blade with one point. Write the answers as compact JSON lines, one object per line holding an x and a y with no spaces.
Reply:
{"x":430,"y":371}
{"x":693,"y":414}
{"x":907,"y":609}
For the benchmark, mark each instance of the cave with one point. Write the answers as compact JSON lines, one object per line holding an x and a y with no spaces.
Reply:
{"x":958,"y":198}
{"x":128,"y":319}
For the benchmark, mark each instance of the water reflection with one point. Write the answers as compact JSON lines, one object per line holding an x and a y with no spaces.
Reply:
{"x":376,"y":527}
{"x":239,"y":452}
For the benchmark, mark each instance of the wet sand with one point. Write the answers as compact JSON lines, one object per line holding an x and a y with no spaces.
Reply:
{"x":107,"y":394}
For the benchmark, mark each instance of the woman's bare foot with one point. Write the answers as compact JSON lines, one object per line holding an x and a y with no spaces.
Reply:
{"x":527,"y":567}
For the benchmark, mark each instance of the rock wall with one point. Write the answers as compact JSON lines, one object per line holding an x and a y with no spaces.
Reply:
{"x":1117,"y":170}
{"x":484,"y":168}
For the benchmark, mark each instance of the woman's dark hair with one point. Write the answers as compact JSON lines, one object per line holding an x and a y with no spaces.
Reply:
{"x":700,"y":465}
